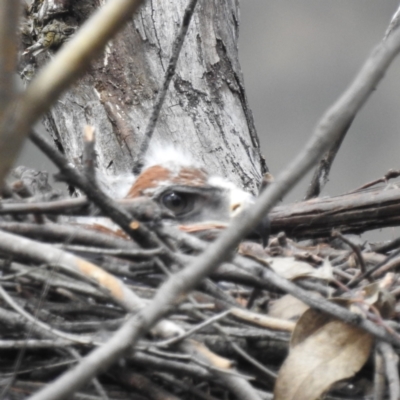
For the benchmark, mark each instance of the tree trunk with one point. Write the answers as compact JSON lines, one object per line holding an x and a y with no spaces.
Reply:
{"x":205,"y":111}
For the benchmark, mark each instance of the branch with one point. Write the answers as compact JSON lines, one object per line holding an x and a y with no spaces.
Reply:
{"x":394,"y":23}
{"x":320,"y":177}
{"x":121,"y":217}
{"x":67,"y":234}
{"x":355,"y":212}
{"x":321,"y":174}
{"x":169,"y":73}
{"x":391,"y":367}
{"x":47,"y":254}
{"x":9,"y":22}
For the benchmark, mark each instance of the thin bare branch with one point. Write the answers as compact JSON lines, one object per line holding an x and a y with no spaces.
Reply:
{"x":9,"y":16}
{"x":391,"y":174}
{"x":354,"y":212}
{"x":379,"y":376}
{"x":377,"y":267}
{"x":43,"y":253}
{"x":394,"y":23}
{"x":355,"y":249}
{"x":391,"y":367}
{"x":169,"y":73}
{"x":55,"y":332}
{"x":66,"y":206}
{"x":110,"y":208}
{"x":321,"y":174}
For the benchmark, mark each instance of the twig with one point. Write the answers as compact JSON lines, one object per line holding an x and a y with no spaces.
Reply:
{"x":392,"y":265}
{"x":185,"y":387}
{"x":22,"y":273}
{"x":150,"y":361}
{"x":266,"y":371}
{"x":27,"y":387}
{"x":65,"y":68}
{"x":61,"y":282}
{"x":63,"y":335}
{"x":9,"y":22}
{"x":391,"y":367}
{"x":33,"y":344}
{"x":46,"y":207}
{"x":34,"y":319}
{"x":263,"y":320}
{"x":141,"y":253}
{"x":351,"y":212}
{"x":46,"y":254}
{"x":195,"y":329}
{"x":386,"y":247}
{"x":326,"y":306}
{"x":68,"y":233}
{"x":391,"y":174}
{"x":44,"y":367}
{"x":237,"y":348}
{"x":394,"y":24}
{"x":320,"y":177}
{"x":21,"y":323}
{"x":321,"y":174}
{"x":144,"y":385}
{"x":169,"y":73}
{"x":379,"y":376}
{"x":367,"y":274}
{"x":355,"y":248}
{"x":96,"y":383}
{"x":116,"y":213}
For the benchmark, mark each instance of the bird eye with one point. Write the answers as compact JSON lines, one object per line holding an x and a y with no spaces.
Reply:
{"x":176,"y":202}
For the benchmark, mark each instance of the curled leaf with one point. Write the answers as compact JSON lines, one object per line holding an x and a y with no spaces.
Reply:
{"x":287,"y":267}
{"x":380,"y":298}
{"x":323,"y":351}
{"x":290,"y":268}
{"x":287,"y":307}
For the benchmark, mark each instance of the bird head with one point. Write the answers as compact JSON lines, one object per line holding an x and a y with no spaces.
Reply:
{"x":199,"y":201}
{"x":183,"y":187}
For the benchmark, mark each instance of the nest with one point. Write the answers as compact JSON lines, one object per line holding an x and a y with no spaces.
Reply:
{"x":70,"y":289}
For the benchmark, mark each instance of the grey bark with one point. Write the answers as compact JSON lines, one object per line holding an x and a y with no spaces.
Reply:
{"x":205,"y":113}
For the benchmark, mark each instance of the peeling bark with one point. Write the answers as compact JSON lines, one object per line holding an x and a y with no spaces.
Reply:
{"x":205,"y":112}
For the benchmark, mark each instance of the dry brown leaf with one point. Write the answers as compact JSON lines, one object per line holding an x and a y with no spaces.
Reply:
{"x":262,"y":320}
{"x":290,"y":268}
{"x":252,"y":249}
{"x":323,"y":351}
{"x":380,"y":298}
{"x":287,"y":267}
{"x":287,"y":307}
